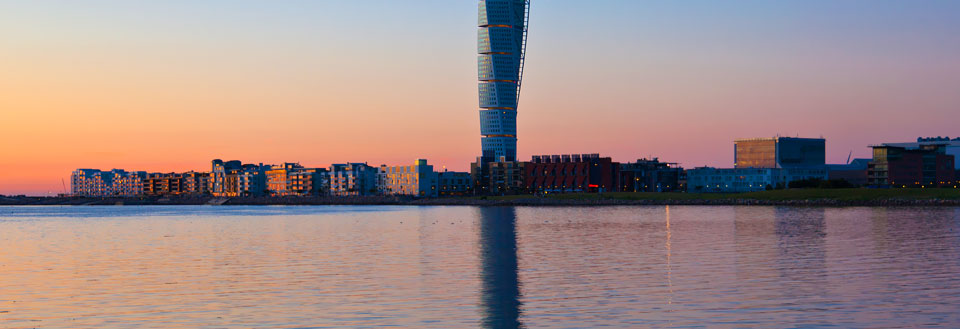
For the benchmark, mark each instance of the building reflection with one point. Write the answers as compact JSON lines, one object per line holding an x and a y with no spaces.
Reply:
{"x":801,"y":246}
{"x":500,"y":295}
{"x":668,"y":247}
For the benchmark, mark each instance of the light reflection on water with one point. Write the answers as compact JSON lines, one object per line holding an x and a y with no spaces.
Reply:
{"x":443,"y":267}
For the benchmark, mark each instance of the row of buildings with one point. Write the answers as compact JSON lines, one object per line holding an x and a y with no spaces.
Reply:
{"x":575,"y":173}
{"x":760,"y":164}
{"x":234,"y":178}
{"x":765,"y":163}
{"x":543,"y":174}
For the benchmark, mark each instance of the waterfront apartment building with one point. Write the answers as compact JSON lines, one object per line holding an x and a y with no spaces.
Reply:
{"x":352,"y":179}
{"x":293,"y":179}
{"x":219,"y":171}
{"x":164,"y":184}
{"x":418,"y":179}
{"x":234,"y":178}
{"x":501,"y":40}
{"x":90,"y":182}
{"x":128,"y":183}
{"x":738,"y":180}
{"x":116,"y":182}
{"x":497,"y":178}
{"x":252,"y":180}
{"x":779,"y":152}
{"x":651,"y":175}
{"x":921,"y":165}
{"x":452,"y":183}
{"x":307,"y":181}
{"x":571,"y":173}
{"x":197,"y":182}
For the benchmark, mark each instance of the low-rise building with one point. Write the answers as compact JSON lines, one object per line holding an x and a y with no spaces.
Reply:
{"x":761,"y":164}
{"x":854,"y":172}
{"x":116,"y":182}
{"x":497,"y":178}
{"x":219,"y":183}
{"x":647,"y":175}
{"x":951,"y":146}
{"x":164,"y":184}
{"x":418,"y":179}
{"x":779,"y":152}
{"x":197,"y":182}
{"x":252,"y":180}
{"x":128,"y":183}
{"x":927,"y":165}
{"x":307,"y":181}
{"x":571,"y":173}
{"x":738,"y":180}
{"x":352,"y":179}
{"x":293,"y":179}
{"x":452,"y":183}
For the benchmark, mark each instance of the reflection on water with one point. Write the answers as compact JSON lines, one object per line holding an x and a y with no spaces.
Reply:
{"x":801,"y":255}
{"x":498,"y":250}
{"x":455,"y":267}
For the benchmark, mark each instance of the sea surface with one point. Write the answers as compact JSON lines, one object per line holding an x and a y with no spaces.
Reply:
{"x":490,"y":267}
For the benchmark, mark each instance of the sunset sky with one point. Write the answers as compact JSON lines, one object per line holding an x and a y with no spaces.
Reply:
{"x":167,"y":86}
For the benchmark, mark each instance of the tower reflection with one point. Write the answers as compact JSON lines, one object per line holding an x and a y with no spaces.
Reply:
{"x":500,"y":297}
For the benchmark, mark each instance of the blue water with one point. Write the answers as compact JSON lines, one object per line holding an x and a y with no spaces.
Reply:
{"x":452,"y":267}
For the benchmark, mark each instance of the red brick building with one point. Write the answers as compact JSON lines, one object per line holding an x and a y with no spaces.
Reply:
{"x":571,"y":173}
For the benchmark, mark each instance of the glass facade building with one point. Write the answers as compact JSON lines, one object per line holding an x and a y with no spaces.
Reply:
{"x":501,"y":41}
{"x":779,"y":152}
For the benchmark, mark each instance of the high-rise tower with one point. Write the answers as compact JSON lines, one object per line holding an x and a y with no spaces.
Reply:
{"x":501,"y":44}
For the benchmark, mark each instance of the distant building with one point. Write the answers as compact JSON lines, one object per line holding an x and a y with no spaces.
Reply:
{"x":197,"y":182}
{"x":738,"y":180}
{"x":854,"y":172}
{"x":651,"y":176}
{"x":252,"y":180}
{"x":779,"y":152}
{"x":452,"y":183}
{"x":763,"y":163}
{"x":501,"y":41}
{"x":352,"y":179}
{"x":277,"y":177}
{"x":497,"y":178}
{"x":219,"y":171}
{"x":165,"y":184}
{"x":418,"y":179}
{"x":116,"y":182}
{"x":926,"y":165}
{"x":952,"y":146}
{"x":128,"y":183}
{"x":291,"y":179}
{"x":571,"y":173}
{"x":233,"y":178}
{"x":307,"y":181}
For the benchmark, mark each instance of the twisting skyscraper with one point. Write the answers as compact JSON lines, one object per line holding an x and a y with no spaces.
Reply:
{"x":501,"y":44}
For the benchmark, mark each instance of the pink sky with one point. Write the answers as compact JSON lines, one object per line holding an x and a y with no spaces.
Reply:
{"x":172,"y":86}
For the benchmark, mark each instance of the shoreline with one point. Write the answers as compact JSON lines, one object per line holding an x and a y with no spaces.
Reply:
{"x":531,"y":201}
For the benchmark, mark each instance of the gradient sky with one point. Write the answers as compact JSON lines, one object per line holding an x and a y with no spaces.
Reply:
{"x":170,"y":85}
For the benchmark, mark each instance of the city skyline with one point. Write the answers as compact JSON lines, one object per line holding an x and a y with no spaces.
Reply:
{"x":166,"y":87}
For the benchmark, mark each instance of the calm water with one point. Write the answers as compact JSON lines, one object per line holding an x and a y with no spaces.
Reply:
{"x":451,"y":267}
